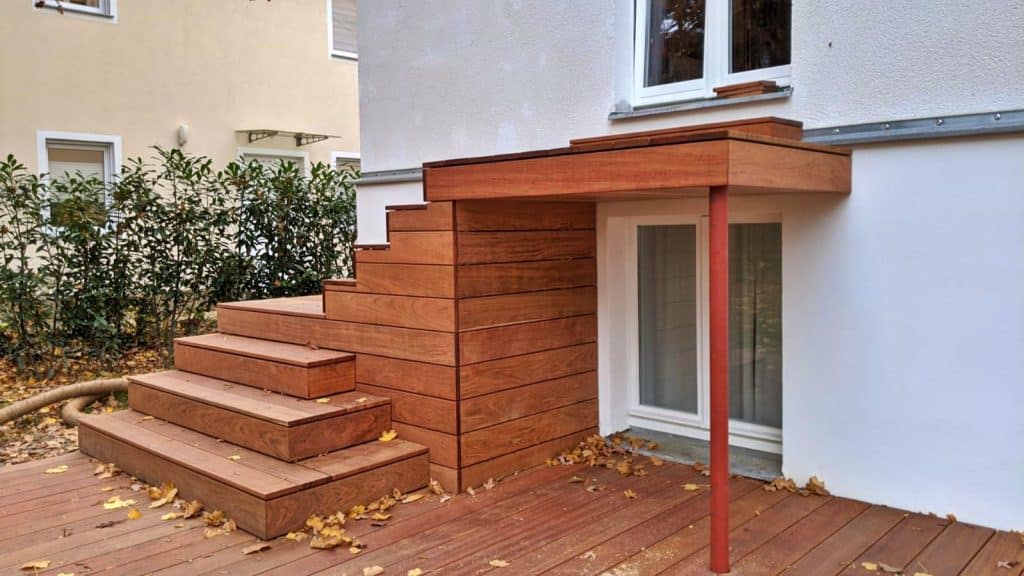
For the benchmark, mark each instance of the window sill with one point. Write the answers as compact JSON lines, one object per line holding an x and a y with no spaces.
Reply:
{"x":697,"y":105}
{"x":342,"y":55}
{"x":75,"y":9}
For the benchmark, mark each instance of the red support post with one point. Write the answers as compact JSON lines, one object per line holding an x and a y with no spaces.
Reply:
{"x":719,"y":339}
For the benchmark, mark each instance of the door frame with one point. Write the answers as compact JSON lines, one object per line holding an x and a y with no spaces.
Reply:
{"x":742,"y":434}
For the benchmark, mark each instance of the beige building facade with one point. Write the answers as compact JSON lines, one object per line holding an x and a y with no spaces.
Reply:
{"x":88,"y":84}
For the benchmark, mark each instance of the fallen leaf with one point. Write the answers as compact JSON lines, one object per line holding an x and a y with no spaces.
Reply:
{"x":65,"y":574}
{"x":1007,"y":564}
{"x":296,"y":536}
{"x":414,"y":572}
{"x":490,"y":483}
{"x":816,"y":486}
{"x":691,"y":487}
{"x":134,"y":514}
{"x":192,"y":509}
{"x":107,"y":489}
{"x":168,"y":496}
{"x":471,"y":492}
{"x":254,"y":548}
{"x":436,"y":487}
{"x":57,"y":469}
{"x":234,"y":457}
{"x":214,"y":518}
{"x":498,"y":563}
{"x":445,"y":498}
{"x":951,"y":517}
{"x":115,"y":502}
{"x":921,"y":574}
{"x":323,"y":400}
{"x":315,"y":522}
{"x":36,"y":565}
{"x":172,"y":516}
{"x":354,"y":549}
{"x":655,"y":461}
{"x":145,"y":418}
{"x":372,"y":571}
{"x":869,"y":566}
{"x":575,"y":480}
{"x":889,"y":569}
{"x":329,"y":537}
{"x":411,"y":498}
{"x":380,"y":516}
{"x":629,"y":494}
{"x":388,"y":436}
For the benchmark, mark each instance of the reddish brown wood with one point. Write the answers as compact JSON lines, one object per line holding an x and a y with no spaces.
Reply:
{"x":509,"y":278}
{"x":525,"y":246}
{"x":504,"y":215}
{"x":390,"y":310}
{"x":515,"y":435}
{"x":492,"y":311}
{"x":417,"y":377}
{"x":427,"y":247}
{"x":417,"y":409}
{"x":505,"y":341}
{"x":430,"y":216}
{"x":490,"y":409}
{"x":505,"y":373}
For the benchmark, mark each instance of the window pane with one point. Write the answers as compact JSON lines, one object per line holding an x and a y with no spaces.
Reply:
{"x":667,"y":290}
{"x":66,"y":162}
{"x":343,"y":19}
{"x":273,"y":162}
{"x":675,"y":41}
{"x":760,"y":34}
{"x":755,"y":323}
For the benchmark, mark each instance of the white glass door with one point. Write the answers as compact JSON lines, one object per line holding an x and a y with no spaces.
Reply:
{"x":669,"y":389}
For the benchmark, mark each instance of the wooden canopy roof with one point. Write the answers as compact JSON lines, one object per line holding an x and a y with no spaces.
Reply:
{"x":757,"y":156}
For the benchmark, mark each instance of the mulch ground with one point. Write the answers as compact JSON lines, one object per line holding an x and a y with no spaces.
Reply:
{"x":43,"y":434}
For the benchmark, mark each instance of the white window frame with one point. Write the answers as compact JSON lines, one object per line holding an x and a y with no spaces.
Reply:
{"x":300,"y":155}
{"x":342,"y":155}
{"x":717,"y":31}
{"x":107,"y":8}
{"x":331,"y":52}
{"x":108,"y":142}
{"x":742,"y":434}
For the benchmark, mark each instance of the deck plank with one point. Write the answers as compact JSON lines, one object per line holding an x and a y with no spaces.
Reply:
{"x":900,"y":545}
{"x":1002,"y":547}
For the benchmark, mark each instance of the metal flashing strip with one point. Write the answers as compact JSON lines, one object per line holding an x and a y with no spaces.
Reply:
{"x":655,"y":110}
{"x":920,"y":128}
{"x":390,"y":176}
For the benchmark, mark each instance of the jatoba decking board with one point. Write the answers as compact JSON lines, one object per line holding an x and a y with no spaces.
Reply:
{"x":538,"y":522}
{"x":505,"y":373}
{"x":505,"y":215}
{"x":511,"y":277}
{"x":491,"y":311}
{"x":390,"y":310}
{"x":418,"y":247}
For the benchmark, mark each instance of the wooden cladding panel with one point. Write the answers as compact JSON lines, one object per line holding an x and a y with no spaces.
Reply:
{"x":490,"y":409}
{"x":444,"y":448}
{"x":422,"y":411}
{"x":389,"y":310}
{"x":505,"y":373}
{"x":434,"y":216}
{"x":491,"y":311}
{"x":405,"y":343}
{"x":431,"y":281}
{"x":677,"y":166}
{"x":524,"y":459}
{"x":761,"y":167}
{"x":498,"y":215}
{"x":428,"y":247}
{"x":520,"y":246}
{"x":492,"y":279}
{"x":417,"y":377}
{"x":515,"y":435}
{"x":505,"y":341}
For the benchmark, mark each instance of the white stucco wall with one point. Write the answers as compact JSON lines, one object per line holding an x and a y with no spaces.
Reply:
{"x":904,"y":321}
{"x":455,"y":78}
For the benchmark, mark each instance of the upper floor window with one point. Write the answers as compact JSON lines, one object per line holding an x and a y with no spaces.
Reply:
{"x":106,"y":8}
{"x":686,"y":48}
{"x":274,"y":158}
{"x":343,"y":29}
{"x":86,"y":157}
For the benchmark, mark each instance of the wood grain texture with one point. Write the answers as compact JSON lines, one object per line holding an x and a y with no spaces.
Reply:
{"x":499,"y":215}
{"x":505,"y":373}
{"x":288,"y":379}
{"x":417,"y":377}
{"x":280,"y":352}
{"x":695,"y":164}
{"x":403,"y":343}
{"x":416,"y":409}
{"x":432,"y":216}
{"x":1001,"y":547}
{"x":524,"y":459}
{"x":515,"y":435}
{"x":509,"y":278}
{"x":835,"y":552}
{"x":305,"y":306}
{"x":766,"y":168}
{"x":444,"y":448}
{"x":505,"y":341}
{"x":491,"y":311}
{"x":389,"y":310}
{"x":901,"y":544}
{"x":431,"y":281}
{"x":525,"y":246}
{"x":952,"y":550}
{"x":490,"y":409}
{"x":427,"y":247}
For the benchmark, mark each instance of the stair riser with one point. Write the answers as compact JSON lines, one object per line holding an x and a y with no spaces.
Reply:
{"x":263,"y":518}
{"x":303,"y":382}
{"x":289,"y":443}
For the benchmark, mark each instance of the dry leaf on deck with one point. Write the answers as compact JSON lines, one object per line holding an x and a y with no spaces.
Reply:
{"x":254,"y":548}
{"x":372,"y":571}
{"x":921,"y":574}
{"x":388,"y":436}
{"x":869,"y":566}
{"x":575,"y":480}
{"x":215,"y":518}
{"x":192,"y":509}
{"x":323,"y":400}
{"x":629,"y":494}
{"x":329,"y":537}
{"x":816,"y":486}
{"x":436,"y":487}
{"x":411,"y":498}
{"x":655,"y":461}
{"x":490,"y":483}
{"x":470,"y":491}
{"x":889,"y":569}
{"x":115,"y":502}
{"x":380,"y":516}
{"x":36,"y":565}
{"x":234,"y":457}
{"x":134,"y":514}
{"x":172,"y":516}
{"x":498,"y":563}
{"x":56,"y":469}
{"x":414,"y":572}
{"x":1007,"y":564}
{"x":951,"y":517}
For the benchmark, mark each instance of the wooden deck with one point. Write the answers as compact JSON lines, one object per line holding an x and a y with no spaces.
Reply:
{"x":538,"y":522}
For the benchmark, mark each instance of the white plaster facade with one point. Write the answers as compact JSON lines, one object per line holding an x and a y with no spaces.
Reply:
{"x":903,"y":316}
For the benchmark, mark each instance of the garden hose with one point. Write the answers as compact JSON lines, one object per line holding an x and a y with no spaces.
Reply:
{"x":82,"y":393}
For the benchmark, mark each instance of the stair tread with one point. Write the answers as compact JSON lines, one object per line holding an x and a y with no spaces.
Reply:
{"x":254,"y":473}
{"x":295,"y":306}
{"x":255,"y":403}
{"x":294,"y":354}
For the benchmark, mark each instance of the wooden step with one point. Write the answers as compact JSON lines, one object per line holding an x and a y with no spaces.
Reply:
{"x":265,"y":496}
{"x":280,"y":426}
{"x":293,"y":369}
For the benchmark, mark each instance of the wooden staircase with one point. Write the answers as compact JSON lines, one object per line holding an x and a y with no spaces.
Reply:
{"x":235,"y":427}
{"x":472,"y":334}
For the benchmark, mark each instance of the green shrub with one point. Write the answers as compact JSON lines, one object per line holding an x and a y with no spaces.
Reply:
{"x":90,"y":269}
